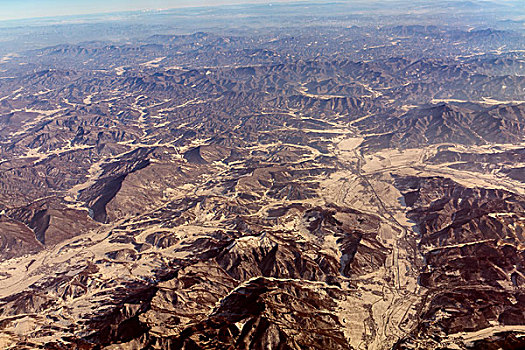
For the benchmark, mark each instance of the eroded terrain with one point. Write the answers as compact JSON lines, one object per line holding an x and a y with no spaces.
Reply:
{"x":329,"y":189}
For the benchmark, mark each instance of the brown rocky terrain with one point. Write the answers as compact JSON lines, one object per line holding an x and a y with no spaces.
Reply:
{"x":339,"y":185}
{"x":472,"y":244}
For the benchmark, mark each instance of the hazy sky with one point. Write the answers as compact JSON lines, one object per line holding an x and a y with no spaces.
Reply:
{"x":16,"y":9}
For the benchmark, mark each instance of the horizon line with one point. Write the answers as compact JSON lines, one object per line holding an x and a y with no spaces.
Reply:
{"x":225,"y":3}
